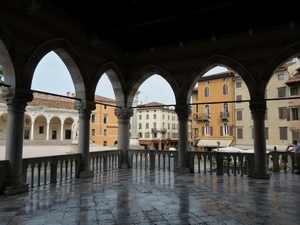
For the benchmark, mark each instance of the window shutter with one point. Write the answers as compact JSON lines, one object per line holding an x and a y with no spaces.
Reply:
{"x":202,"y":131}
{"x":231,"y":130}
{"x":211,"y":130}
{"x":221,"y":130}
{"x":288,"y":116}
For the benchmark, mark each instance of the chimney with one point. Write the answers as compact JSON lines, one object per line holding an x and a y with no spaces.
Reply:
{"x":68,"y":94}
{"x":73,"y":95}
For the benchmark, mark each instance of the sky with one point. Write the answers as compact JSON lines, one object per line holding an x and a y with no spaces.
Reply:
{"x":52,"y":76}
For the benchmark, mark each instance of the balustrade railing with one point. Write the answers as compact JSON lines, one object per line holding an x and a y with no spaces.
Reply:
{"x":281,"y":161}
{"x":103,"y":161}
{"x":221,"y":163}
{"x":153,"y":159}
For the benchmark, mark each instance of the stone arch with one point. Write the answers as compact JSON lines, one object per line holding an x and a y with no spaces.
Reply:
{"x":116,"y":79}
{"x":277,"y":60}
{"x":209,"y":63}
{"x":143,"y":75}
{"x":11,"y":59}
{"x":70,"y":58}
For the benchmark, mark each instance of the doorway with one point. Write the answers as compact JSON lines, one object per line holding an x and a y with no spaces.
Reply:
{"x":26,"y":134}
{"x":54,"y":134}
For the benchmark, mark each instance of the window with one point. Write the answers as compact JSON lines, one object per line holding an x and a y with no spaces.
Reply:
{"x":154,"y":116}
{"x":207,"y":130}
{"x":105,"y":106}
{"x":140,"y":135}
{"x":168,"y":117}
{"x":93,"y":119}
{"x":225,"y":89}
{"x":140,"y":117}
{"x":206,"y":111}
{"x":283,"y":133}
{"x":206,"y":92}
{"x":104,"y":143}
{"x":168,"y":125}
{"x":93,"y":132}
{"x":295,"y":113}
{"x":154,"y":125}
{"x":140,"y":126}
{"x":238,"y":84}
{"x":147,"y":125}
{"x":41,"y":129}
{"x":238,"y":98}
{"x":281,"y":92}
{"x":239,"y":115}
{"x":280,"y":76}
{"x":105,"y":118}
{"x":163,"y":116}
{"x":293,"y":91}
{"x":267,"y":133}
{"x":239,"y":132}
{"x":282,"y":112}
{"x":196,"y":132}
{"x":105,"y":132}
{"x":147,"y":135}
{"x":296,"y":135}
{"x":147,"y":116}
{"x":225,"y":129}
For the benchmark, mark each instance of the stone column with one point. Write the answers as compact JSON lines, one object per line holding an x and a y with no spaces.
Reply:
{"x":47,"y":131}
{"x":123,"y":115}
{"x":32,"y":131}
{"x":61,"y":131}
{"x":84,"y":108}
{"x":16,"y":101}
{"x":183,"y":112}
{"x":258,"y":110}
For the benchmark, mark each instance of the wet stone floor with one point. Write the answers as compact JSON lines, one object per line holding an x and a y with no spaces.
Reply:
{"x":157,"y":197}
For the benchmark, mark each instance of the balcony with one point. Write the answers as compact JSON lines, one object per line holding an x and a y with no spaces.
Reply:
{"x":224,"y":115}
{"x":201,"y":117}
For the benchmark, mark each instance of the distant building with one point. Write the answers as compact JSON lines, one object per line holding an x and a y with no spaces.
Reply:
{"x":157,"y":126}
{"x":214,"y":122}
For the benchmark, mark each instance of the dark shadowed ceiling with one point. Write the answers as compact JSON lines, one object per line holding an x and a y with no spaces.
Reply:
{"x":142,"y":24}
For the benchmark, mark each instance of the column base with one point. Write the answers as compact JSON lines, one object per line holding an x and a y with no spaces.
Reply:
{"x":11,"y":190}
{"x":86,"y":174}
{"x":124,"y":166}
{"x":259,"y":175}
{"x":182,"y":170}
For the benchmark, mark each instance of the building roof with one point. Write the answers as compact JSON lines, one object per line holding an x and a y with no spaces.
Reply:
{"x":295,"y":78}
{"x":99,"y":98}
{"x":228,"y":73}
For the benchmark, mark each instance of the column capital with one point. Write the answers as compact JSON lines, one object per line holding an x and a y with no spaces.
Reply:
{"x":16,"y":98}
{"x":84,"y":106}
{"x":183,"y":111}
{"x":123,"y":113}
{"x":258,"y":108}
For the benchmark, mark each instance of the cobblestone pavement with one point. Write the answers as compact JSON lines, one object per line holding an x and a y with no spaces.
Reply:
{"x":157,"y":197}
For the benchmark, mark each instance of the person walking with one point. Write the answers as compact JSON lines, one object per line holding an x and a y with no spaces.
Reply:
{"x":296,"y":150}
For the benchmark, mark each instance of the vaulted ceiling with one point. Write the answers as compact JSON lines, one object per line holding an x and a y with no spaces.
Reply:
{"x":142,"y":24}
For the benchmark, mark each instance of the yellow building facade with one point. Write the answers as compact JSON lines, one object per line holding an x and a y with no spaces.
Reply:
{"x":104,"y":123}
{"x":214,"y":113}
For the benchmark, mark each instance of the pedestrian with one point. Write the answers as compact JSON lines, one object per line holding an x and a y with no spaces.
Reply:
{"x":296,"y":150}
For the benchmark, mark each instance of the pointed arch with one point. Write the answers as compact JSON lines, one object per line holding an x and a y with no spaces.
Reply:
{"x":211,"y":62}
{"x":114,"y":75}
{"x":10,"y":58}
{"x":277,"y":60}
{"x":71,"y":60}
{"x":146,"y":72}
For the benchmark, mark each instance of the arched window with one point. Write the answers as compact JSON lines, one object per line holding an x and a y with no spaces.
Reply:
{"x":206,"y":92}
{"x":206,"y":111}
{"x":207,"y":130}
{"x":225,"y":89}
{"x":225,"y":107}
{"x":225,"y":129}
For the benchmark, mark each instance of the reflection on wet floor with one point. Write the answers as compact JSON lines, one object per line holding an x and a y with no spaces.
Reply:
{"x":157,"y":197}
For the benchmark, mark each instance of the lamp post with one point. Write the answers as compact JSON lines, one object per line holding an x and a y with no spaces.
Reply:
{"x":218,"y":145}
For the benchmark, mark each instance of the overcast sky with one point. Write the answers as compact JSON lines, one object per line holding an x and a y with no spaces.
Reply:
{"x":51,"y":75}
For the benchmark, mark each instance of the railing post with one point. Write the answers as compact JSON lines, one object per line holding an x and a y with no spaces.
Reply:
{"x":191,"y":159}
{"x":275,"y":158}
{"x":152,"y":160}
{"x":53,"y":173}
{"x":219,"y":157}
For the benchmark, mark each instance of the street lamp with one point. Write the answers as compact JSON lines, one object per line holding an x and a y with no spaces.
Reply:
{"x":218,"y":145}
